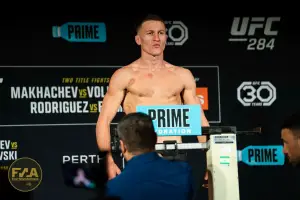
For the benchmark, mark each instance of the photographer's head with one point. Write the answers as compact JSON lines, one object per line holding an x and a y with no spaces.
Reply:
{"x":137,"y":135}
{"x":290,"y":134}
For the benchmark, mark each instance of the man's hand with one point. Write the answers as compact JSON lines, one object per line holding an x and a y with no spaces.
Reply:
{"x":206,"y":179}
{"x":111,"y":167}
{"x":112,"y":170}
{"x":206,"y":176}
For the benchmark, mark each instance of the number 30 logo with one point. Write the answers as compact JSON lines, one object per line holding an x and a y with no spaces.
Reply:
{"x":253,"y":93}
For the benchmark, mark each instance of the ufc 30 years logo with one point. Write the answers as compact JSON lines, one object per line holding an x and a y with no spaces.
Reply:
{"x":256,"y":93}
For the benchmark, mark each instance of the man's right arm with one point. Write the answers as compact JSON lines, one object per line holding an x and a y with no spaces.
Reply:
{"x":110,"y":104}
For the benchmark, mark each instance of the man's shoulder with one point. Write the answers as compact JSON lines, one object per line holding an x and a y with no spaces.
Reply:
{"x":177,"y":68}
{"x":122,"y":70}
{"x":127,"y":69}
{"x":122,"y":73}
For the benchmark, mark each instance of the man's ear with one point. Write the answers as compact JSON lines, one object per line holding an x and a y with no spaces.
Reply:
{"x":122,"y":146}
{"x":138,"y":40}
{"x":298,"y":141}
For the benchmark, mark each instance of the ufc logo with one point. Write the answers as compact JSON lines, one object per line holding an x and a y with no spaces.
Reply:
{"x":248,"y":26}
{"x":253,"y":93}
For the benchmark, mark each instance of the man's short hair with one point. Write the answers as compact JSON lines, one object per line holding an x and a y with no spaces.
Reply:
{"x":149,"y":17}
{"x":137,"y":132}
{"x":292,"y":123}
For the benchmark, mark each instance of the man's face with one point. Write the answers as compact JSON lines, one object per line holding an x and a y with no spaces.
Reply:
{"x":291,"y":146}
{"x":152,"y":37}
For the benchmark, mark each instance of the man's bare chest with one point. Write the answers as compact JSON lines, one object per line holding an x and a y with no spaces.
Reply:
{"x":149,"y":84}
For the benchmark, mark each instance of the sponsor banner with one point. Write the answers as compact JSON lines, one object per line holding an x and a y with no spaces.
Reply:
{"x":174,"y":120}
{"x":8,"y":152}
{"x":81,"y":32}
{"x":73,"y":95}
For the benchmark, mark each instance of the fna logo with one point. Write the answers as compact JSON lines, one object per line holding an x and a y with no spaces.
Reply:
{"x":81,"y":32}
{"x":25,"y":174}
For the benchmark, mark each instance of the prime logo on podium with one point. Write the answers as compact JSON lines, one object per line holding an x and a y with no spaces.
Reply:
{"x":81,"y":32}
{"x":174,"y":120}
{"x":262,"y":155}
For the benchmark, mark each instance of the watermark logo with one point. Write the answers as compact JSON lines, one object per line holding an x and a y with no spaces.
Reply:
{"x":25,"y":174}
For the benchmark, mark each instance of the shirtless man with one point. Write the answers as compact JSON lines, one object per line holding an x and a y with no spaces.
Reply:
{"x":149,"y":80}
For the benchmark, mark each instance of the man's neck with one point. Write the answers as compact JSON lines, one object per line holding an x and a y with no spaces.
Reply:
{"x":129,"y":156}
{"x":151,"y":62}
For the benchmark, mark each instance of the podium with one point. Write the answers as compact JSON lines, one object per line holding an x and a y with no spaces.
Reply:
{"x":222,"y":161}
{"x":222,"y":164}
{"x":221,"y":155}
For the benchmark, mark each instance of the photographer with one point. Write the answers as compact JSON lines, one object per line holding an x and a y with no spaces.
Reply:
{"x":146,"y":174}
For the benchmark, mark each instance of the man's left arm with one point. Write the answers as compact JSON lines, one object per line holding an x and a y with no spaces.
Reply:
{"x":190,"y":97}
